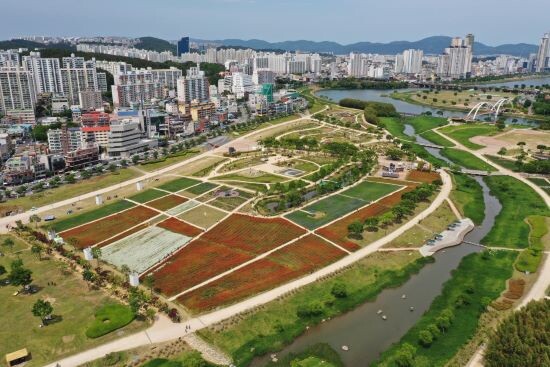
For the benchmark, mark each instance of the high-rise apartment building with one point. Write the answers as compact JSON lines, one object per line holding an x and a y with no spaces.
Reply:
{"x":543,"y":56}
{"x":17,"y":92}
{"x":183,"y":46}
{"x":412,"y":61}
{"x":78,"y":75}
{"x":46,"y":73}
{"x":193,"y":87}
{"x":9,"y":59}
{"x":456,"y":62}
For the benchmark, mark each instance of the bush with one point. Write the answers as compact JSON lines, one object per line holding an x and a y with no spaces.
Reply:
{"x":425,"y":338}
{"x":311,"y":310}
{"x":339,"y":290}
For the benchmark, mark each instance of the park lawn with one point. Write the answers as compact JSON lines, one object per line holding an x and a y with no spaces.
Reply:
{"x":463,"y":133}
{"x":168,"y":160}
{"x":370,"y":191}
{"x":424,"y":123}
{"x":79,"y":219}
{"x":304,"y":165}
{"x":467,"y":195}
{"x":68,"y":191}
{"x":179,"y":184}
{"x":518,"y":201}
{"x":466,"y":160}
{"x":73,"y":303}
{"x":421,"y":152}
{"x":200,"y":188}
{"x":437,"y":139}
{"x":395,"y":128}
{"x":433,"y":224}
{"x":542,"y":183}
{"x":147,"y":195}
{"x":263,"y":177}
{"x":478,"y":276}
{"x":277,"y":324}
{"x":530,"y":258}
{"x":108,"y":318}
{"x":325,"y":211}
{"x":503,"y":162}
{"x":203,"y":216}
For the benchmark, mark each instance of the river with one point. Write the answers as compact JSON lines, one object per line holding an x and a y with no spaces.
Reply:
{"x":378,"y":95}
{"x":363,"y":330}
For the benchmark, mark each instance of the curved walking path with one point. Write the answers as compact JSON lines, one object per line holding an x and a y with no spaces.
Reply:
{"x":162,"y":331}
{"x":538,"y":289}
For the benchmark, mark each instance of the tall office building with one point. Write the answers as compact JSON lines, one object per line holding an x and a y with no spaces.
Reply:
{"x":193,"y":87}
{"x":456,"y":62}
{"x":17,"y":93}
{"x":78,"y":75}
{"x":543,"y":56}
{"x":183,"y":46}
{"x":46,"y":73}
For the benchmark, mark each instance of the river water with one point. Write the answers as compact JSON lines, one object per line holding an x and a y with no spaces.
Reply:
{"x":363,"y":330}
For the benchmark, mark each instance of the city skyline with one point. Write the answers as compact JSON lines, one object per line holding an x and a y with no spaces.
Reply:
{"x":303,"y":19}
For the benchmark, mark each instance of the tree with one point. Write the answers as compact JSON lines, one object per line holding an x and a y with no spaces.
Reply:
{"x":355,"y":229}
{"x":541,"y":148}
{"x":372,"y":223}
{"x":135,"y":159}
{"x":149,"y":282}
{"x":521,"y":144}
{"x":37,"y":250}
{"x":88,"y":276}
{"x":35,"y":219}
{"x":8,"y":242}
{"x":135,"y":300}
{"x":405,"y":355}
{"x":125,"y":269}
{"x":425,"y":338}
{"x":42,"y":309}
{"x":19,"y":275}
{"x":502,"y":151}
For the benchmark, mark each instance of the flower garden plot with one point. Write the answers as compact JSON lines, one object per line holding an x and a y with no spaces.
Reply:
{"x":200,"y":188}
{"x":338,"y":231}
{"x":144,"y":249}
{"x":228,"y":203}
{"x":197,"y":262}
{"x":203,"y":216}
{"x":300,"y":258}
{"x":92,"y":233}
{"x":183,"y":207}
{"x":177,"y":226}
{"x":147,"y":195}
{"x":89,"y":216}
{"x":179,"y":184}
{"x":253,"y":234}
{"x":167,"y":202}
{"x":370,"y":191}
{"x":325,"y":210}
{"x":422,"y":176}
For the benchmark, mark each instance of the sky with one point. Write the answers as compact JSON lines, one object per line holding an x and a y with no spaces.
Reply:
{"x":493,"y":22}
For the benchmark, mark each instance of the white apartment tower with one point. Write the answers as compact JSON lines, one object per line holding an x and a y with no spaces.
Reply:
{"x":78,"y":75}
{"x":543,"y":56}
{"x":456,"y":62}
{"x":17,"y":92}
{"x":193,"y":87}
{"x":46,"y":73}
{"x":412,"y":61}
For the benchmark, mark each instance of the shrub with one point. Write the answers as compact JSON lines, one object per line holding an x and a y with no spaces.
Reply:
{"x":310,"y":310}
{"x":339,"y":290}
{"x":425,"y":338}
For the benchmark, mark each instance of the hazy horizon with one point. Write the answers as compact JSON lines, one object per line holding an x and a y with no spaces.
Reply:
{"x":345,"y":21}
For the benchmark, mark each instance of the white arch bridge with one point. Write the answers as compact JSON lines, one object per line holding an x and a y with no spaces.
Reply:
{"x":488,"y":108}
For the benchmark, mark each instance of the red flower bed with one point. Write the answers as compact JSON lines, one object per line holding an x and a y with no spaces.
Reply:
{"x":167,"y":202}
{"x":232,"y":242}
{"x":295,"y":260}
{"x":338,"y":231}
{"x":177,"y":226}
{"x":422,"y":176}
{"x":197,"y":262}
{"x":98,"y":231}
{"x":252,"y":234}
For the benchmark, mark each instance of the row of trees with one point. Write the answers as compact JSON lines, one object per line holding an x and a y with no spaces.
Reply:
{"x":353,"y":83}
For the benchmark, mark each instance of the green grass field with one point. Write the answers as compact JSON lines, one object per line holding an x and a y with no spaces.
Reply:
{"x":425,"y":123}
{"x":147,"y":195}
{"x":468,"y":197}
{"x":370,"y":191}
{"x":78,"y":219}
{"x":437,"y":139}
{"x":179,"y":184}
{"x":463,"y":133}
{"x":478,"y":276}
{"x":395,"y":128}
{"x":421,"y":152}
{"x":109,"y":318}
{"x":530,"y":258}
{"x":466,"y":160}
{"x":261,"y":178}
{"x":277,"y":324}
{"x":74,"y":305}
{"x":201,"y":188}
{"x":503,"y":162}
{"x":542,"y":183}
{"x":518,"y":201}
{"x":168,"y":161}
{"x":325,"y":211}
{"x":67,"y":191}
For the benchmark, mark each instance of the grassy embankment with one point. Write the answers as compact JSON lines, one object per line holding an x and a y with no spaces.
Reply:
{"x":519,"y":202}
{"x":468,"y":197}
{"x":463,"y":133}
{"x":278,"y":323}
{"x":74,"y":305}
{"x":479,"y":278}
{"x":466,"y":160}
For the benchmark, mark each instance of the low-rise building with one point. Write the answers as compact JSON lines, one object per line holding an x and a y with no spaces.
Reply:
{"x":125,"y":140}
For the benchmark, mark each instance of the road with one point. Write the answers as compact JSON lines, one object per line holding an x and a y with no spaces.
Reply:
{"x":163,"y":331}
